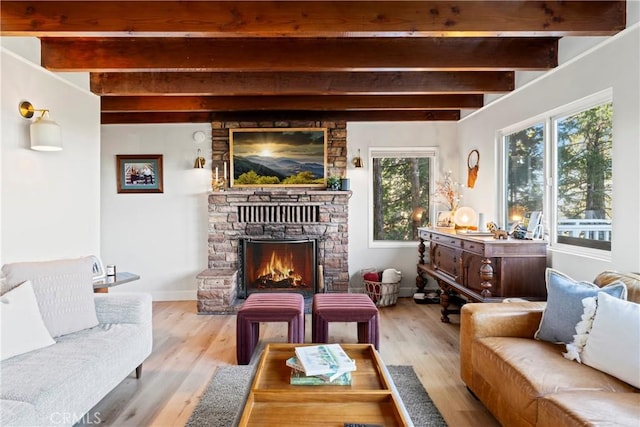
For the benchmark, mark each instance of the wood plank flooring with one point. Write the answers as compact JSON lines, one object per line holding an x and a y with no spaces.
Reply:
{"x":188,"y":347}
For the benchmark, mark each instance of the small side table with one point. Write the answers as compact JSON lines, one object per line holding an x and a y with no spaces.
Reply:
{"x":101,"y":286}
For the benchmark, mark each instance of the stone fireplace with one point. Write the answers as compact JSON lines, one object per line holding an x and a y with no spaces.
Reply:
{"x":268,"y":215}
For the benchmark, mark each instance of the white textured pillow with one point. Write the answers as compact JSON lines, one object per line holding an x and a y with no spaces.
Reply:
{"x":63,"y":289}
{"x":613,"y":343}
{"x":22,"y":327}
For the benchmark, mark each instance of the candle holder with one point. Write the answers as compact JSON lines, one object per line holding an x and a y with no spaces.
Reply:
{"x":218,"y":184}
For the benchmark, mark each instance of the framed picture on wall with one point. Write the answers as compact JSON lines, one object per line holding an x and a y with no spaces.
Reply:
{"x":139,"y":173}
{"x":291,"y":157}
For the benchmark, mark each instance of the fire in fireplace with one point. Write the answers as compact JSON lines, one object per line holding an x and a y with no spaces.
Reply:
{"x":278,"y":266}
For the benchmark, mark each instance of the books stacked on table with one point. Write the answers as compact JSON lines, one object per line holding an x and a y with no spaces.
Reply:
{"x":324,"y":364}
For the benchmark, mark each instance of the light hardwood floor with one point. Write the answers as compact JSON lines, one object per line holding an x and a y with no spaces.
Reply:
{"x":188,"y":347}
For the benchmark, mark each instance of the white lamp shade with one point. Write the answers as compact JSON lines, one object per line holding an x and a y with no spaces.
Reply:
{"x":465,"y":217}
{"x":46,"y":135}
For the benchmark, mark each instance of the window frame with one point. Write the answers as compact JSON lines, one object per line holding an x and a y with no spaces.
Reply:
{"x":382,"y":152}
{"x":550,"y":141}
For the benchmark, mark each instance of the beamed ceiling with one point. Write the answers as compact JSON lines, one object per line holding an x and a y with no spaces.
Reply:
{"x":198,"y":61}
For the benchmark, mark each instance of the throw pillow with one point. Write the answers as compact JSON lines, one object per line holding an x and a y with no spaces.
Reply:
{"x":613,"y":344}
{"x":63,"y":289}
{"x":22,"y":327}
{"x":564,"y":305}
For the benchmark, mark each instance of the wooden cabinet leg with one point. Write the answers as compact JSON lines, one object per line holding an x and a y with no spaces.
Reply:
{"x":444,"y":302}
{"x":420,"y":281}
{"x":486,"y":275}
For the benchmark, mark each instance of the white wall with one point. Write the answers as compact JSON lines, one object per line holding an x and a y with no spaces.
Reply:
{"x":612,"y":64}
{"x":50,"y":201}
{"x":361,"y":135}
{"x":161,"y":237}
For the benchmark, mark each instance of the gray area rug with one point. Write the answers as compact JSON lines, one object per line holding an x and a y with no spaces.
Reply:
{"x":224,"y":398}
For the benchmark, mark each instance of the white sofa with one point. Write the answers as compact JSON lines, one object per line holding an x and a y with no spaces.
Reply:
{"x":58,"y":384}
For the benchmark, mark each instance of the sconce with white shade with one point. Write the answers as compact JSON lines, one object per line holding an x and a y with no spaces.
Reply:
{"x":465,"y":217}
{"x":357,"y":161}
{"x":45,"y":133}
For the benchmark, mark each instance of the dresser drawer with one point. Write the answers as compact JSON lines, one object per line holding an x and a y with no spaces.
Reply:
{"x":424,"y":234}
{"x":474,"y":247}
{"x":450,"y":241}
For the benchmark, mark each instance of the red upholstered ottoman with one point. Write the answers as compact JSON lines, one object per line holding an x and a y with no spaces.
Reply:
{"x":345,"y":308}
{"x":267,"y":307}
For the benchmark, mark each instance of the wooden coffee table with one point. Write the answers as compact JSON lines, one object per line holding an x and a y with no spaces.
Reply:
{"x":370,"y":399}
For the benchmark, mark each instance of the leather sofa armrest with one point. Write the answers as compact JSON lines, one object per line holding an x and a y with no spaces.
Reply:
{"x":478,"y":320}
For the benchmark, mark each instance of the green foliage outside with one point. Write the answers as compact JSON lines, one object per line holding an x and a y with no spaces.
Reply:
{"x":525,"y":172}
{"x":400,"y":185}
{"x":584,"y":175}
{"x":585,"y":141}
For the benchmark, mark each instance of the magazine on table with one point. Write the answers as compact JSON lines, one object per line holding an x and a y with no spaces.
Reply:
{"x":324,"y":359}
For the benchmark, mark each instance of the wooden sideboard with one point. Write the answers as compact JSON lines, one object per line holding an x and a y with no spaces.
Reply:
{"x":480,"y":268}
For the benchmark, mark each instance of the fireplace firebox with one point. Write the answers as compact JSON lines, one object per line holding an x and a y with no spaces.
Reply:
{"x":277,"y":266}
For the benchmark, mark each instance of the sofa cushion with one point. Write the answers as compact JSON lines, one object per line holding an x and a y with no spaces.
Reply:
{"x":564,"y":305}
{"x":63,"y":289}
{"x":15,"y":413}
{"x":66,"y":380}
{"x":22,"y":328}
{"x":613,"y":343}
{"x":632,"y":280}
{"x":589,"y":408}
{"x":523,"y":369}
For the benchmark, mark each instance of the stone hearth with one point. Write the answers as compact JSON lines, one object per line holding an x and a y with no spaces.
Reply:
{"x":276,"y":214}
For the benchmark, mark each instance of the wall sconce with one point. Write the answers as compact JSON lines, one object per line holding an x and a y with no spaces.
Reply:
{"x":46,"y":134}
{"x":200,"y":161}
{"x":357,"y":161}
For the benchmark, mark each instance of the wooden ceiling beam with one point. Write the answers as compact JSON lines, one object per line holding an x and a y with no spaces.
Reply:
{"x":261,"y":55}
{"x":266,"y":116}
{"x":304,"y":83}
{"x":310,"y":103}
{"x":311,"y":18}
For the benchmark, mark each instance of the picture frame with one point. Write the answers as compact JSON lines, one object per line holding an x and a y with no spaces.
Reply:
{"x":278,"y":157}
{"x":98,"y":268}
{"x":139,"y":173}
{"x":444,"y":219}
{"x":534,"y":227}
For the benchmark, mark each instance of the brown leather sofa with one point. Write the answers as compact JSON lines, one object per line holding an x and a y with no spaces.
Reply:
{"x":527,"y":382}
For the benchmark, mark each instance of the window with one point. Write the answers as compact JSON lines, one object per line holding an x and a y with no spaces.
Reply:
{"x":573,"y":148}
{"x":401,"y":182}
{"x":583,"y":190}
{"x":525,"y":173}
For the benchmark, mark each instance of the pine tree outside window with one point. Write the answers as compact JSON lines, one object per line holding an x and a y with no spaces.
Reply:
{"x":561,"y":164}
{"x":401,"y":183}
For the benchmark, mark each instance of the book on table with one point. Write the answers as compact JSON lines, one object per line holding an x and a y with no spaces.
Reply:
{"x":324,"y":359}
{"x":299,"y":378}
{"x":295,"y":365}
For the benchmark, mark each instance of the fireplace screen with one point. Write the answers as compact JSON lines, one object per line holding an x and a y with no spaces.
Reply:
{"x":278,"y":266}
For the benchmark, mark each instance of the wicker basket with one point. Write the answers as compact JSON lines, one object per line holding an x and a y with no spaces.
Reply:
{"x":382,"y":294}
